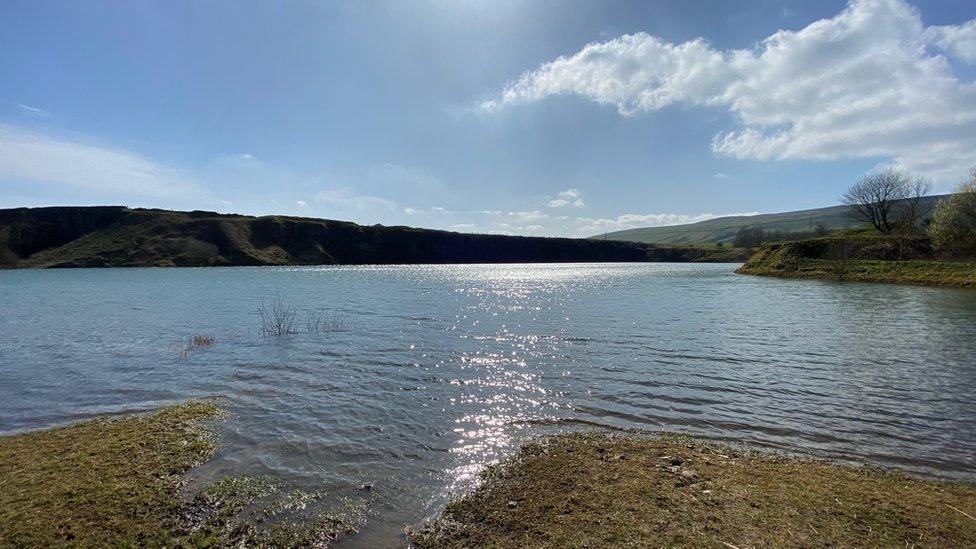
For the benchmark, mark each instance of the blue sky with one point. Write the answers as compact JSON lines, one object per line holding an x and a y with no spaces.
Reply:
{"x":556,"y":118}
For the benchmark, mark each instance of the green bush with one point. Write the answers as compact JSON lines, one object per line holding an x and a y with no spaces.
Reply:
{"x":953,"y":227}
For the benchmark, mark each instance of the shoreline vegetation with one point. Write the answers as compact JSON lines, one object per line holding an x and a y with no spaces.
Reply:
{"x":596,"y":490}
{"x":119,"y":481}
{"x":858,"y":256}
{"x":908,"y":241}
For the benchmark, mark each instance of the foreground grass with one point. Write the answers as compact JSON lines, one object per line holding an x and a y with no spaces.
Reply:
{"x":919,"y":272}
{"x":116,"y":483}
{"x":598,"y":491}
{"x":103,"y":482}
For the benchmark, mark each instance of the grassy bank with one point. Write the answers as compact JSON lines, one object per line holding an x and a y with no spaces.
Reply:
{"x":116,"y":483}
{"x":103,"y":482}
{"x":598,"y":491}
{"x":860,"y":258}
{"x":926,"y":273}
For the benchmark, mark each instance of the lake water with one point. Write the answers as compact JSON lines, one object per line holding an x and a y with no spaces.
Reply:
{"x":442,"y":369}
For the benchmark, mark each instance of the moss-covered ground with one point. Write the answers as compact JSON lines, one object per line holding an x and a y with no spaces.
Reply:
{"x":117,"y":483}
{"x":917,"y":272}
{"x":592,"y":490}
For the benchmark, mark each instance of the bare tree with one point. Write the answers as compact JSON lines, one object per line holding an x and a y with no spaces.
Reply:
{"x":888,"y":199}
{"x":909,"y":211}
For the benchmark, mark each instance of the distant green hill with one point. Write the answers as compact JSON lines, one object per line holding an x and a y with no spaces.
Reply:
{"x":723,"y":229}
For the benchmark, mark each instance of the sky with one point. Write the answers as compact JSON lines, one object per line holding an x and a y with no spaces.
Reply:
{"x":562,"y":117}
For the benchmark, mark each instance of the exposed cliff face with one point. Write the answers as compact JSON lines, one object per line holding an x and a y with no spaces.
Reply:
{"x":26,"y":231}
{"x":774,"y":257}
{"x":114,"y":236}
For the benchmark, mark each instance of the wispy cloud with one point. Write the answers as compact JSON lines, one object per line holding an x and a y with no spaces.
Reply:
{"x":592,"y":226}
{"x":537,"y":222}
{"x":27,"y":110}
{"x":28,"y":156}
{"x":534,"y":215}
{"x":346,"y":200}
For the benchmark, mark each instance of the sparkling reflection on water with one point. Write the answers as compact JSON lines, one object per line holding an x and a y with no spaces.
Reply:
{"x":443,"y":369}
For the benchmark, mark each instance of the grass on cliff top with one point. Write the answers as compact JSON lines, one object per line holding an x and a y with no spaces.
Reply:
{"x":103,"y":482}
{"x":588,"y":490}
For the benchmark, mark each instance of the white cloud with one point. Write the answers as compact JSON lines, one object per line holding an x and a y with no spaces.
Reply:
{"x":720,"y":175}
{"x":536,"y":222}
{"x":635,"y":73}
{"x":868,"y":82}
{"x":27,"y":156}
{"x":534,"y":215}
{"x":431,"y":211}
{"x":569,"y":197}
{"x":592,"y":226}
{"x":31,"y":111}
{"x":345,"y":201}
{"x":957,"y":40}
{"x":301,"y":203}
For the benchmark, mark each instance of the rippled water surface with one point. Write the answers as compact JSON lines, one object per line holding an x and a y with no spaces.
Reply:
{"x":442,"y":369}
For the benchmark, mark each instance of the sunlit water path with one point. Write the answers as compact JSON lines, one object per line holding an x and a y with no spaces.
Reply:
{"x":442,"y":369}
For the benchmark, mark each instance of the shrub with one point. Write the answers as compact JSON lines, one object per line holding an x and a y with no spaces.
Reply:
{"x":953,"y":227}
{"x":277,"y":316}
{"x":321,"y":321}
{"x":204,"y":340}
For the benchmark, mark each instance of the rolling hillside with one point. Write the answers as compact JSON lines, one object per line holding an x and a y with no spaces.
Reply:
{"x":115,"y":236}
{"x":723,"y":229}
